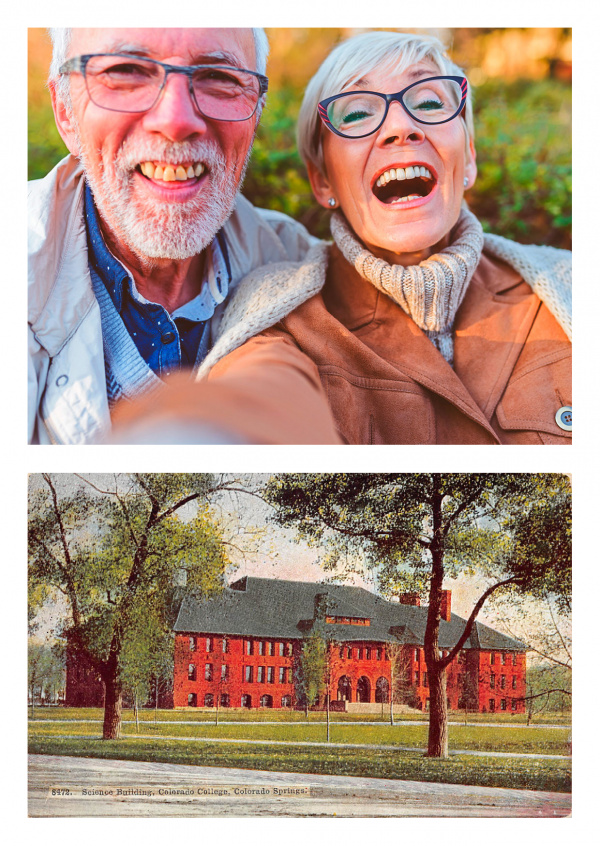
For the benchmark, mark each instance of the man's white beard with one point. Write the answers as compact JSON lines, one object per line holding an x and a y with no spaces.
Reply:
{"x":155,"y":228}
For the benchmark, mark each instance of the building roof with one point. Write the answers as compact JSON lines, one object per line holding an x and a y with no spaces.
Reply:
{"x":274,"y":608}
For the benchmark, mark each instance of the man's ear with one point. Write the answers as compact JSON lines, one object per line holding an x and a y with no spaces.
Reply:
{"x":470,"y":164}
{"x":320,"y":185}
{"x":64,"y":120}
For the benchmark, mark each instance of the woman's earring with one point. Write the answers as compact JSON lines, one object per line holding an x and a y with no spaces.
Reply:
{"x":332,"y":202}
{"x":465,"y":181}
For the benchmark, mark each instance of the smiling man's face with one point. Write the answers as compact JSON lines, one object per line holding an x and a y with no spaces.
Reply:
{"x":400,"y":188}
{"x":127,"y":156}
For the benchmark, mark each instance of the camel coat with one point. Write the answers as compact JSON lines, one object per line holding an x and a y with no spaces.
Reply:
{"x":386,"y":383}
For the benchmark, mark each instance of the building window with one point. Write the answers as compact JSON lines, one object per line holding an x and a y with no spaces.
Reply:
{"x":270,"y":647}
{"x":492,"y":657}
{"x":280,"y":648}
{"x":209,"y":644}
{"x":514,"y":682}
{"x":209,"y":700}
{"x":349,"y":652}
{"x":359,"y":653}
{"x":246,"y":700}
{"x":492,"y":703}
{"x":266,"y":701}
{"x":270,"y":675}
{"x":192,"y":700}
{"x":368,"y":653}
{"x":290,"y":649}
{"x":462,"y":657}
{"x":379,"y":653}
{"x":503,"y":659}
{"x":248,"y":674}
{"x":492,"y":680}
{"x":224,"y":673}
{"x":286,"y":701}
{"x":513,"y":705}
{"x":260,"y":675}
{"x":249,"y":647}
{"x":502,"y":682}
{"x":416,"y":656}
{"x":282,"y":675}
{"x":224,"y":645}
{"x":503,"y":704}
{"x":382,"y":689}
{"x":425,"y":682}
{"x":342,"y":651}
{"x":208,"y":672}
{"x":192,"y":672}
{"x":224,"y":700}
{"x":192,"y":644}
{"x":514,"y":659}
{"x":261,"y":647}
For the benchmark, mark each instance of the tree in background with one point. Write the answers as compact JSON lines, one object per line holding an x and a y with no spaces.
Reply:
{"x":45,"y":671}
{"x":413,"y":530}
{"x":311,"y":681}
{"x":117,"y":554}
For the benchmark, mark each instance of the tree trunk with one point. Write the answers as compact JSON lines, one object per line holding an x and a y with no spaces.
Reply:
{"x":437,"y":746}
{"x":113,"y":704}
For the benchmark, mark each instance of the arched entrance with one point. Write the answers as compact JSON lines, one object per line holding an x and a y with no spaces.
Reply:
{"x":363,"y":690}
{"x":266,"y":701}
{"x":382,"y":690}
{"x":246,"y":700}
{"x":344,"y":691}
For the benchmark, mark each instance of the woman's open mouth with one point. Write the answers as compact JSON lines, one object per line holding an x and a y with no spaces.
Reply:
{"x":401,"y":185}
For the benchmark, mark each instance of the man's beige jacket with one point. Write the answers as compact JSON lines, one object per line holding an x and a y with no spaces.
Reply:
{"x":66,"y":378}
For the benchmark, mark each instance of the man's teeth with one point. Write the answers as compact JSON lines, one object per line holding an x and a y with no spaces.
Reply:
{"x":403,"y":173}
{"x":171,"y":173}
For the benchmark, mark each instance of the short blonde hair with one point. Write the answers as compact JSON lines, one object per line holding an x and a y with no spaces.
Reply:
{"x":357,"y":57}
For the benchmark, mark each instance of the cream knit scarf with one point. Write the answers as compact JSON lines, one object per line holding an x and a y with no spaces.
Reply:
{"x":430,"y":292}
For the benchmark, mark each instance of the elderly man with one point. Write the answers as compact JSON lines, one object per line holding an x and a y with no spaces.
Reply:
{"x":137,"y":237}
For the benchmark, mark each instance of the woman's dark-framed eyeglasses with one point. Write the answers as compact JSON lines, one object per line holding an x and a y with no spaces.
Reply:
{"x":122,"y":82}
{"x":356,"y":114}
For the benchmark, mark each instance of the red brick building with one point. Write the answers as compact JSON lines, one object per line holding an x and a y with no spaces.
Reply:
{"x":243,"y":649}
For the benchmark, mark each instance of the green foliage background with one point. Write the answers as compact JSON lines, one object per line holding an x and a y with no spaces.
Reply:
{"x":523,"y":141}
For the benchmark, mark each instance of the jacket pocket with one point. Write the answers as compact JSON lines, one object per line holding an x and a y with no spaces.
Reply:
{"x":528,"y":408}
{"x":378,"y":411}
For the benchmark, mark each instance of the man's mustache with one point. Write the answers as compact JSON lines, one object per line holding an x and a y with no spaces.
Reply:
{"x":132,"y":154}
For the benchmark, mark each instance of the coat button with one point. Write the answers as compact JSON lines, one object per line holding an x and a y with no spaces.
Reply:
{"x":564,"y":418}
{"x":168,"y":337}
{"x":62,"y":380}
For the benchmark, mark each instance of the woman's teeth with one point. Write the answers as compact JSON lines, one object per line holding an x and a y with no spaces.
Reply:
{"x":403,"y":173}
{"x":171,"y":173}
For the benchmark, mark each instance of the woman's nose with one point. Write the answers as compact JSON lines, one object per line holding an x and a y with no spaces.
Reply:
{"x":399,"y":128}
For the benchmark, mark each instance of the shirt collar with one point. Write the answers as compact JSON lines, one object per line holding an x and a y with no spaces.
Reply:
{"x":117,"y":278}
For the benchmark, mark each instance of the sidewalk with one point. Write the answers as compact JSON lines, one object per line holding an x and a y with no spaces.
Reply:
{"x":190,"y":791}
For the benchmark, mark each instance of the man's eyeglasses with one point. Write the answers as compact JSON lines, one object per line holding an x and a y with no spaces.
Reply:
{"x":122,"y":82}
{"x":356,"y":114}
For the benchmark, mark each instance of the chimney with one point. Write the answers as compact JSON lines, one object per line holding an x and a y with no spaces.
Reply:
{"x":446,"y":606}
{"x":409,"y":599}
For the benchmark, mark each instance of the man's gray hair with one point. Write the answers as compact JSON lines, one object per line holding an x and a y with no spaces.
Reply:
{"x":61,"y":39}
{"x":357,"y":57}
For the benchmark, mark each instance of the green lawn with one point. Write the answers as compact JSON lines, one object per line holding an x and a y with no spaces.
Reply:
{"x":492,"y":772}
{"x":285,"y":716}
{"x":481,"y":738}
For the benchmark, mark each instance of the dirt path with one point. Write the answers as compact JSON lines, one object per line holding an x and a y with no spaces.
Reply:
{"x":150,"y":789}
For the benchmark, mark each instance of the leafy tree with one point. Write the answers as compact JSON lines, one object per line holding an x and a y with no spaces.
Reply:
{"x":118,"y":553}
{"x":45,"y":670}
{"x":312,"y":668}
{"x":415,"y":529}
